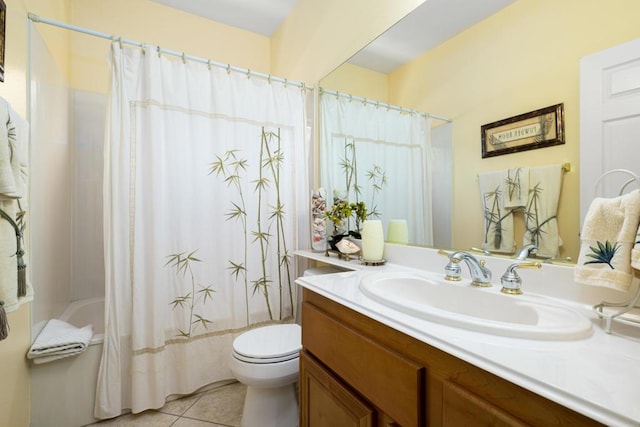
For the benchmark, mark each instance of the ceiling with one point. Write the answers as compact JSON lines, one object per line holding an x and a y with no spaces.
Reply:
{"x":258,"y":16}
{"x":430,"y":24}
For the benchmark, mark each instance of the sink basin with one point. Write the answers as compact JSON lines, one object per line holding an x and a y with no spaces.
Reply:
{"x":484,"y":310}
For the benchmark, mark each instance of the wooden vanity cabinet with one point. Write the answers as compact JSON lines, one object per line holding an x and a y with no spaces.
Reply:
{"x":355,"y":371}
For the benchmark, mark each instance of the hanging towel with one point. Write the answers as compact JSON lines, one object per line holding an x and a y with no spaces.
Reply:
{"x":516,"y":188}
{"x":59,"y":339}
{"x":541,"y":222}
{"x":608,"y":235}
{"x":14,"y":132}
{"x":498,"y":221}
{"x":15,"y":288}
{"x":635,"y":252}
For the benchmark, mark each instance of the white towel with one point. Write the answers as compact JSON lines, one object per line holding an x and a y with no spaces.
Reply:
{"x":516,"y":188}
{"x":59,"y":339}
{"x":498,"y":221}
{"x":608,"y":235}
{"x":13,"y":190}
{"x":541,"y":222}
{"x":14,"y":133}
{"x":635,"y":252}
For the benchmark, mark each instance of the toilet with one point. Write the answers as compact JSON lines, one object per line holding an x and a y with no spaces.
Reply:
{"x":266,"y":360}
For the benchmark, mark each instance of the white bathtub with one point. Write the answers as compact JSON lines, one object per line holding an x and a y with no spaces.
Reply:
{"x":63,"y":391}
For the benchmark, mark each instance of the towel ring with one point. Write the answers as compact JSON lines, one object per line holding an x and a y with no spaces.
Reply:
{"x":634,"y":178}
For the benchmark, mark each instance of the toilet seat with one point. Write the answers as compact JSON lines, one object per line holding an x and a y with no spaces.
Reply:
{"x":269,"y":344}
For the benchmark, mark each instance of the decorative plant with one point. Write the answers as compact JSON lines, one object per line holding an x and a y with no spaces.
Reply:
{"x":341,"y":212}
{"x":603,"y":254}
{"x":192,"y":299}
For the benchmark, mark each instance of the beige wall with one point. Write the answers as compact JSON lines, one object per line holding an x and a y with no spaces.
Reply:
{"x":149,"y":22}
{"x":357,"y":81}
{"x":14,"y":369}
{"x":523,"y":58}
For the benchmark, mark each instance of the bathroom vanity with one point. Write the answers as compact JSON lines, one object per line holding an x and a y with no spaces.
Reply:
{"x":366,"y":364}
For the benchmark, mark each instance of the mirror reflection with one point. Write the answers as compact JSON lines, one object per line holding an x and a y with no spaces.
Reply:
{"x":385,"y":157}
{"x":521,"y":56}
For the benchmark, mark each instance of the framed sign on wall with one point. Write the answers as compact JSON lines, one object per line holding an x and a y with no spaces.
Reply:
{"x":536,"y":129}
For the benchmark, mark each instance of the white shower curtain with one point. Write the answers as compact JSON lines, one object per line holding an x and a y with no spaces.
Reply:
{"x":387,"y":142}
{"x":204,"y":172}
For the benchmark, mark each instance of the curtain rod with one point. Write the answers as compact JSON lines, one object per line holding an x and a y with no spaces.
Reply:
{"x":382,"y":104}
{"x":35,"y":18}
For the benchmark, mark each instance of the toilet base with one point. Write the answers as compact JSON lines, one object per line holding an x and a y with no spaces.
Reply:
{"x":270,"y":407}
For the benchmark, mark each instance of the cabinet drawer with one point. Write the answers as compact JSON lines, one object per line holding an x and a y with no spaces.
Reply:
{"x":390,"y":381}
{"x":461,"y":407}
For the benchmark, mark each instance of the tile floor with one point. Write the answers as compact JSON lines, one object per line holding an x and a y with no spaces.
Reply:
{"x":220,"y":407}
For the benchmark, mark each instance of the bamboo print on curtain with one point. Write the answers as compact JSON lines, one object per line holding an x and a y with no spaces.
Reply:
{"x":382,"y":157}
{"x":200,"y":221}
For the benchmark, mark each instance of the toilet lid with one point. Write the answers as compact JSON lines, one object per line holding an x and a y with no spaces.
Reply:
{"x":269,"y":344}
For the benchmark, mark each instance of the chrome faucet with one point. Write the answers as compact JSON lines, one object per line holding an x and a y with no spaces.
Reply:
{"x":480,"y":275}
{"x":511,"y":281}
{"x":525,"y":251}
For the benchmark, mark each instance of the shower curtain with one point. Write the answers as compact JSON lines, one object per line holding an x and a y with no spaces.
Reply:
{"x":379,"y":156}
{"x":204,"y":171}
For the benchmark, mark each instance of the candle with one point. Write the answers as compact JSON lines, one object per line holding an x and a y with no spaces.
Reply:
{"x":372,"y":240}
{"x":397,"y":232}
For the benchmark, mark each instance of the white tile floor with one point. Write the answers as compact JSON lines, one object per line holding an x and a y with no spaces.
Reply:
{"x":221,"y":407}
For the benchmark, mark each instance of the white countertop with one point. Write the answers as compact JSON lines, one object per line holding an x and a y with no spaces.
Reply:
{"x":598,"y":376}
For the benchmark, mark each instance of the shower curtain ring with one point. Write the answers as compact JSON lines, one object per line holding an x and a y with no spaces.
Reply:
{"x":228,"y":68}
{"x":209,"y":64}
{"x":248,"y":73}
{"x":158,"y":51}
{"x":118,"y":39}
{"x":184,"y":58}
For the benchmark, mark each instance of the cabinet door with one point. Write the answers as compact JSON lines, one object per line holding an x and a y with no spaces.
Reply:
{"x":326,"y":402}
{"x":392,"y":382}
{"x":460,"y":407}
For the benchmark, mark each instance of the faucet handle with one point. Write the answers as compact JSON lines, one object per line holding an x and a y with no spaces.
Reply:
{"x":452,"y":271}
{"x":511,"y":281}
{"x":444,"y":253}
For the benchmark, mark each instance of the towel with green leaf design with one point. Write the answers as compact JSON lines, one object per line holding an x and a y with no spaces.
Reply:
{"x":608,"y":236}
{"x":540,"y":216}
{"x":498,"y":220}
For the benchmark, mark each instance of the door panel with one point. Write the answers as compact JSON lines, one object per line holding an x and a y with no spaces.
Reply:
{"x":609,"y":122}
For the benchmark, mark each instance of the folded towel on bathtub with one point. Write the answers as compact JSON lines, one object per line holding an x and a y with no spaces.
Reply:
{"x":59,"y":339}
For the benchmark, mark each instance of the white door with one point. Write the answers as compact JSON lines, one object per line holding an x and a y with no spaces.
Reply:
{"x":609,"y":122}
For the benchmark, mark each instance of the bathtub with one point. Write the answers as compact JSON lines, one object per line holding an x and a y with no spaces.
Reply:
{"x":63,"y":391}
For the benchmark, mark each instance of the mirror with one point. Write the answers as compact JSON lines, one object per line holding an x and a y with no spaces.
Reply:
{"x":522,"y":56}
{"x":354,"y":112}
